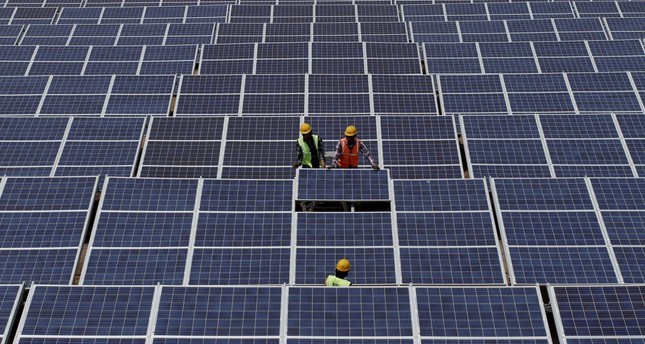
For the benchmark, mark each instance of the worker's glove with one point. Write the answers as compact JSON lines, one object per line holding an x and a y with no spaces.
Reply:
{"x":296,"y":165}
{"x":375,"y":167}
{"x":322,"y":164}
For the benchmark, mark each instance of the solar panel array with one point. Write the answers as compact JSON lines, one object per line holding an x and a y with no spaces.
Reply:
{"x":149,"y":195}
{"x":266,"y":314}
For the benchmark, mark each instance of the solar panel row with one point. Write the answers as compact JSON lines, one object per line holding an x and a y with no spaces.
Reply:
{"x":86,"y":95}
{"x":69,"y":146}
{"x":380,"y":315}
{"x":535,"y":57}
{"x":553,"y":145}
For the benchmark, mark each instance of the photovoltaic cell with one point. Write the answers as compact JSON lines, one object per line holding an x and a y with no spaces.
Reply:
{"x":150,"y":194}
{"x":240,"y":266}
{"x":366,"y":185}
{"x":492,"y":313}
{"x":324,"y":312}
{"x":202,"y":311}
{"x":135,"y":266}
{"x":243,"y":229}
{"x":562,"y":265}
{"x":246,"y":195}
{"x":602,"y":313}
{"x":542,"y":194}
{"x":344,"y":229}
{"x":441,"y":195}
{"x":87,"y":311}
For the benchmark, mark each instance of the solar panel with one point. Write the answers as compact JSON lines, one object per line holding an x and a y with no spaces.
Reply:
{"x":344,"y":229}
{"x":134,"y":266}
{"x":149,"y":194}
{"x":366,"y":185}
{"x":240,"y":266}
{"x":229,"y":312}
{"x":143,"y":95}
{"x":541,"y":93}
{"x":492,"y":314}
{"x":243,"y":229}
{"x":9,"y":297}
{"x":451,"y":265}
{"x":619,"y":193}
{"x":599,"y":313}
{"x":471,"y":94}
{"x":542,"y":194}
{"x":83,"y":312}
{"x":375,"y":265}
{"x":375,"y":312}
{"x":144,"y":229}
{"x":441,"y":195}
{"x":246,"y":195}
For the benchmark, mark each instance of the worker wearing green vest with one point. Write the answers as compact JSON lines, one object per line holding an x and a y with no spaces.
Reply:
{"x":338,"y":280}
{"x":311,"y":152}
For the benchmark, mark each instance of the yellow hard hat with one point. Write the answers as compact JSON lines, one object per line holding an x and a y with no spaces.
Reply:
{"x":343,"y":265}
{"x":350,"y":130}
{"x":305,"y":128}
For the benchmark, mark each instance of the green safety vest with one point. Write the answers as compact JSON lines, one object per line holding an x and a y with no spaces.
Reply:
{"x":306,"y":153}
{"x":333,"y":281}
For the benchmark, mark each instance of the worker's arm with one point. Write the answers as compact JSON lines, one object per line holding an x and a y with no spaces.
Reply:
{"x":321,"y":152}
{"x":369,"y":156}
{"x":299,"y":156}
{"x":339,"y":152}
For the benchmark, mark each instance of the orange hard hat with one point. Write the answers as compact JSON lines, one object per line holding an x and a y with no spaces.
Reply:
{"x":350,"y":130}
{"x":305,"y":128}
{"x":343,"y":265}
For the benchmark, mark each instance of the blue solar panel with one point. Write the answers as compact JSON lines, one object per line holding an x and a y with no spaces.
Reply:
{"x":243,"y":229}
{"x":240,"y":266}
{"x":448,"y":229}
{"x":500,"y":127}
{"x":542,"y":194}
{"x":630,"y":261}
{"x":369,"y":265}
{"x":247,"y":195}
{"x":597,"y":152}
{"x":564,"y":265}
{"x":186,"y":128}
{"x":357,"y":185}
{"x":598,"y":313}
{"x":42,"y":266}
{"x":451,"y":265}
{"x":620,"y":193}
{"x":65,"y":311}
{"x":150,"y":194}
{"x":552,"y":228}
{"x":344,"y":229}
{"x":219,"y":312}
{"x":135,"y":266}
{"x":625,"y":227}
{"x":441,"y":195}
{"x":506,"y":152}
{"x":47,"y":193}
{"x":143,"y":229}
{"x":9,"y":299}
{"x":490,"y":313}
{"x":42,"y":230}
{"x":374,"y":312}
{"x":173,"y":153}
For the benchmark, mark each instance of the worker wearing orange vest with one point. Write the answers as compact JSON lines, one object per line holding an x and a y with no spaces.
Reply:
{"x":311,"y":152}
{"x":348,"y":149}
{"x":338,"y":279}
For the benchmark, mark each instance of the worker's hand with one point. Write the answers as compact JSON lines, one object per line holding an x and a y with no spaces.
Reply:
{"x":295,"y":165}
{"x":376,"y":167}
{"x":322,"y":164}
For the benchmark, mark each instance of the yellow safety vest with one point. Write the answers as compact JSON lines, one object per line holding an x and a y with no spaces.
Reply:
{"x":306,"y":152}
{"x":333,"y":281}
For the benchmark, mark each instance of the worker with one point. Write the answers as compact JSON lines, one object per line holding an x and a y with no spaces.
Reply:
{"x":347,"y":151}
{"x":338,"y":280}
{"x":311,"y":152}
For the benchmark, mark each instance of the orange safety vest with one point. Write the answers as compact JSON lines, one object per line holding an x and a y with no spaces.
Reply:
{"x":349,"y":158}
